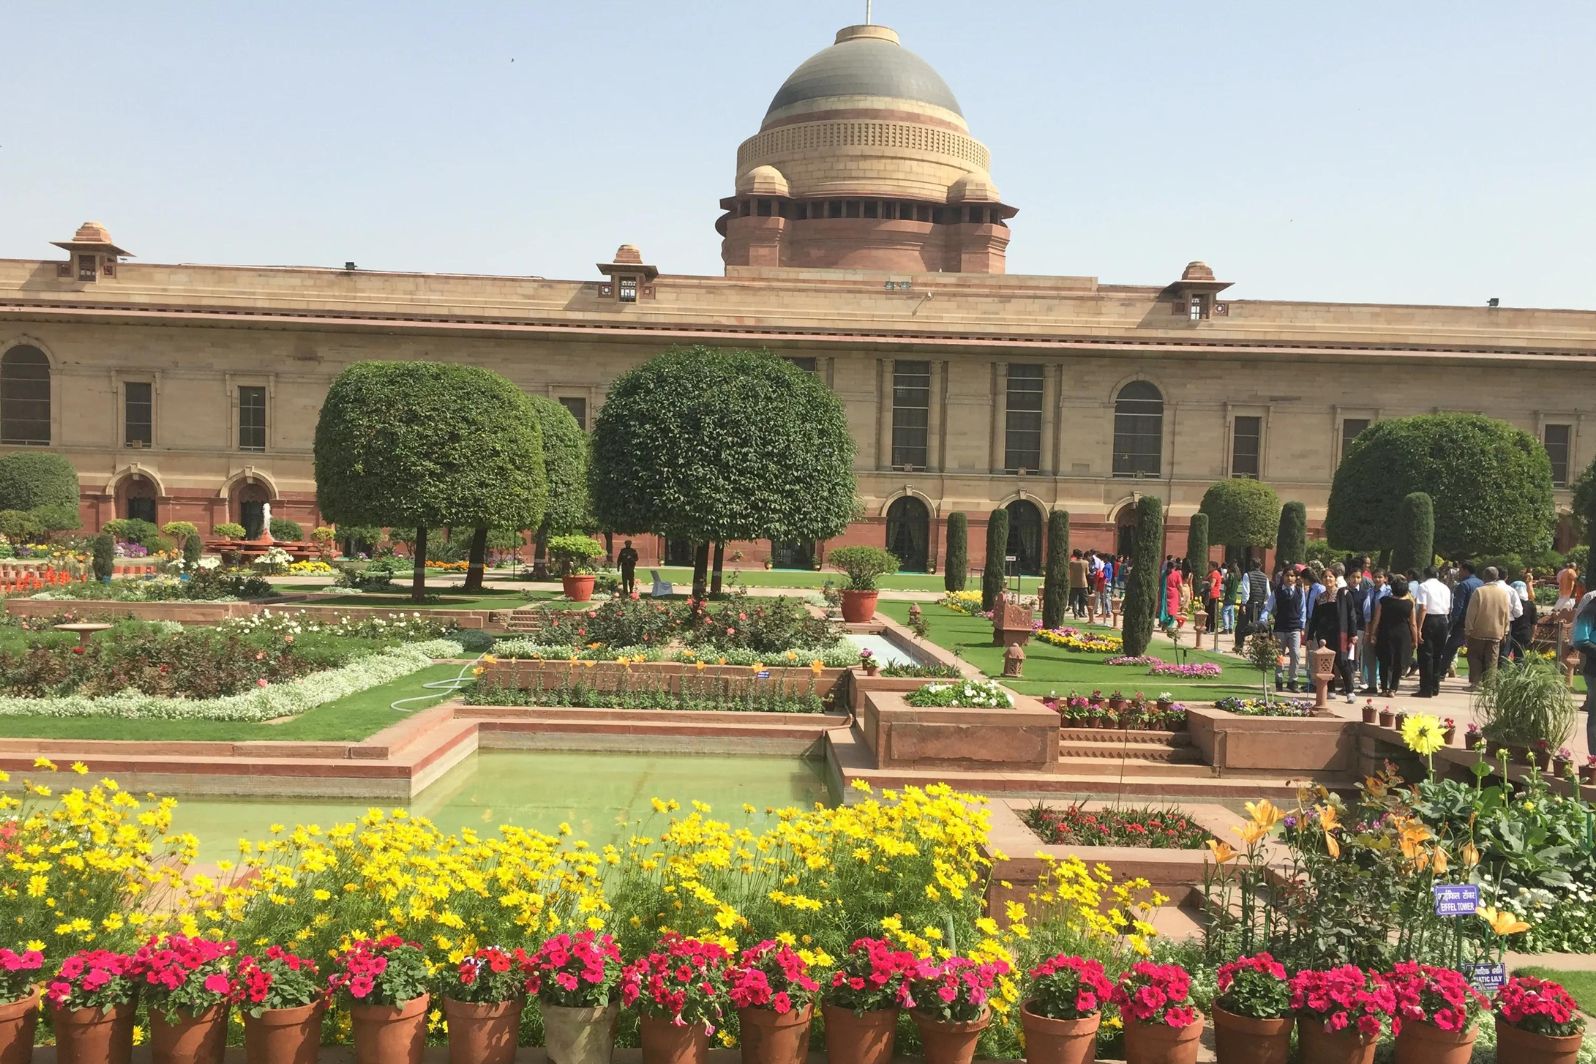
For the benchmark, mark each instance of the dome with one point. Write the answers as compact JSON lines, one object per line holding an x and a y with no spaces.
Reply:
{"x":1197,"y":270}
{"x":762,"y":181}
{"x":974,"y":188}
{"x":865,"y":61}
{"x":92,"y":233}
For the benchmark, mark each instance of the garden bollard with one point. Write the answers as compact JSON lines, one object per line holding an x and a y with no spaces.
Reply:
{"x":1199,"y":625}
{"x":1324,"y":670}
{"x":1013,"y":660}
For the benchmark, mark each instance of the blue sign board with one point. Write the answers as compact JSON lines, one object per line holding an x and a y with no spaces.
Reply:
{"x":764,"y":674}
{"x":1488,"y":978}
{"x":1456,"y":899}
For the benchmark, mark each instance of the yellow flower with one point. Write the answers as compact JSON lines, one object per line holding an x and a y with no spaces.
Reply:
{"x":1222,"y":850}
{"x":1423,"y":734}
{"x":1502,"y":923}
{"x":80,"y":768}
{"x":1264,"y":813}
{"x":816,"y":665}
{"x":44,"y":763}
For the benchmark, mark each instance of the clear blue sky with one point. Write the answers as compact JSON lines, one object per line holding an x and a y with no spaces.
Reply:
{"x":1417,"y":152}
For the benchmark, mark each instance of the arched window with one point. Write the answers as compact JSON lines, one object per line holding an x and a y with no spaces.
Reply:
{"x":137,"y":498}
{"x":1138,"y":431}
{"x":909,"y":533}
{"x":25,"y":397}
{"x":1025,"y":536}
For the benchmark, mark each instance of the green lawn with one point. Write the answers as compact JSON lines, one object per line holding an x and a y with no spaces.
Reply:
{"x":796,"y":578}
{"x":1580,"y":984}
{"x":353,"y":717}
{"x":439,"y":597}
{"x":1050,"y":669}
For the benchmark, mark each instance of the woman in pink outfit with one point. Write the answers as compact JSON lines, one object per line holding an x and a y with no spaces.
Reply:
{"x":1173,"y":586}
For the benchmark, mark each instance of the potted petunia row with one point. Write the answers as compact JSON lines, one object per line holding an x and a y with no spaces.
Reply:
{"x":684,"y":989}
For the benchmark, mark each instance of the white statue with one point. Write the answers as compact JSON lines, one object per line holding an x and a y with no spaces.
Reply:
{"x":266,"y":522}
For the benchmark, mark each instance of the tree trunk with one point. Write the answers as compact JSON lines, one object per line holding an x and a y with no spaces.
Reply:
{"x":477,"y":561}
{"x":418,"y":551}
{"x":700,"y":569}
{"x":720,"y":558}
{"x":609,"y":550}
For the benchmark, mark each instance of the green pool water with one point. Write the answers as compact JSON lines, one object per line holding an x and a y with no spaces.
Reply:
{"x":596,"y":793}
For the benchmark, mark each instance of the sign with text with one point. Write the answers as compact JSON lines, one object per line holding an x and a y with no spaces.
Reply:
{"x":1488,"y":978}
{"x":764,"y":674}
{"x":1456,"y":899}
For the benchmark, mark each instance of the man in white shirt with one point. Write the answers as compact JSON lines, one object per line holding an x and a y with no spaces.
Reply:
{"x":1433,"y":599}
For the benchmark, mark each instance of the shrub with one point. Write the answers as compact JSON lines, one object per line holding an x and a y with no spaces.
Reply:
{"x":1141,"y":586}
{"x":956,"y":566}
{"x":104,"y":556}
{"x":1415,"y":538}
{"x":133,"y":530}
{"x":863,"y":565}
{"x":575,"y":553}
{"x":1291,"y":541}
{"x":229,"y":530}
{"x":994,"y":576}
{"x":624,"y":622}
{"x":20,"y":526}
{"x":763,"y":625}
{"x":1197,"y":548}
{"x":1056,"y":582}
{"x":1241,"y":513}
{"x":192,"y":549}
{"x":42,"y":483}
{"x":284,"y":529}
{"x":179,"y":531}
{"x":1526,"y":703}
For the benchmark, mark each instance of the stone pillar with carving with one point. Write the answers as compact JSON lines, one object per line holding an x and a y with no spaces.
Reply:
{"x":1012,"y":623}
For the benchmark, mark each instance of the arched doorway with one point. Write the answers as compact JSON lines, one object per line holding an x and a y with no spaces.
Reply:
{"x":135,"y":498}
{"x":1025,"y":536}
{"x":909,"y":533}
{"x":248,"y":506}
{"x":1125,"y":530}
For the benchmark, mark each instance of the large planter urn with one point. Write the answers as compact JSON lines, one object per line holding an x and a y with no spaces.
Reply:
{"x":859,"y":606}
{"x":1050,"y":1041}
{"x":578,"y":586}
{"x":1425,"y":1043}
{"x":1248,"y":1040}
{"x":771,"y":1037}
{"x":1526,"y":1047}
{"x":1318,"y":1046}
{"x":93,"y":1036}
{"x":580,"y":1035}
{"x":188,"y":1038}
{"x":666,"y":1043}
{"x":482,"y":1032}
{"x":860,"y":1038}
{"x":18,"y":1022}
{"x":284,"y":1036}
{"x":950,"y":1041}
{"x":1159,"y":1043}
{"x":390,"y":1034}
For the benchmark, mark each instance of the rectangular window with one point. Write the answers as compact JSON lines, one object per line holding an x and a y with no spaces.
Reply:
{"x":628,"y":290}
{"x":1246,"y":445}
{"x":911,"y":413}
{"x":251,"y":418}
{"x":1559,"y":440}
{"x":808,"y":365}
{"x":138,"y":414}
{"x":578,"y":408}
{"x":86,"y":268}
{"x":1350,"y":427}
{"x":1023,"y":432}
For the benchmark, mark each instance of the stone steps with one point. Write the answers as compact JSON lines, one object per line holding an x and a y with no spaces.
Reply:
{"x":1092,"y":764}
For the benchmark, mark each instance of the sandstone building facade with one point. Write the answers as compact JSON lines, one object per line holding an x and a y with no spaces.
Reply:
{"x":865,"y":239}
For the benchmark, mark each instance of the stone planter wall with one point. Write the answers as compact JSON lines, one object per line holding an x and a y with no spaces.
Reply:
{"x":898,"y":735}
{"x":651,"y":675}
{"x":214,"y":612}
{"x":1273,"y":744}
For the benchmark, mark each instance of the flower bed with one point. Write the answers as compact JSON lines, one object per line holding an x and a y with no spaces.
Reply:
{"x":1258,"y":707}
{"x":1159,"y":829}
{"x":1076,"y":639}
{"x":207,"y":584}
{"x":1195,"y":670}
{"x":840,"y":655}
{"x":966,"y":694}
{"x":718,"y":690}
{"x":1140,"y":659}
{"x":1136,"y":713}
{"x":965,"y":602}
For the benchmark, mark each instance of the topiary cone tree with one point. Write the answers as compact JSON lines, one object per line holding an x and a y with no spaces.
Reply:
{"x":1243,"y":514}
{"x":1415,"y":543}
{"x":1291,"y":541}
{"x":1056,"y":585}
{"x":1490,"y":483}
{"x":956,"y":566}
{"x":994,"y":576}
{"x":428,"y":445}
{"x":1141,"y":586}
{"x":1197,"y":549}
{"x":709,"y":445}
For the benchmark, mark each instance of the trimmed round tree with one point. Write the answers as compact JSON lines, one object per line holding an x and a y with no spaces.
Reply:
{"x":956,"y":566}
{"x":707,"y":445}
{"x":1056,"y":583}
{"x":1197,"y":546}
{"x":1291,"y":541}
{"x":427,"y":445}
{"x":1585,"y":504}
{"x":43,"y":484}
{"x":565,"y":453}
{"x":1242,"y":514}
{"x":1142,"y":585}
{"x":1491,"y":484}
{"x":994,"y":575}
{"x":1415,"y":543}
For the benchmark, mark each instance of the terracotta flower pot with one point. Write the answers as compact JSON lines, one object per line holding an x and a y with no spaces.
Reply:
{"x":1247,"y":1040}
{"x":666,"y":1043}
{"x":92,"y":1036}
{"x":390,"y":1034}
{"x":18,"y":1021}
{"x":1318,"y":1046}
{"x":1587,"y":773}
{"x":1049,"y":1041}
{"x":771,"y":1037}
{"x":1449,"y":734}
{"x":860,"y":1038}
{"x":580,"y":1036}
{"x":1526,"y":1047}
{"x":950,"y":1041}
{"x":1386,"y":719}
{"x":482,"y":1033}
{"x":1560,"y":766}
{"x":858,"y":606}
{"x":1159,"y":1043}
{"x":1425,"y":1043}
{"x":284,"y":1036}
{"x":192,"y":1038}
{"x":578,"y":586}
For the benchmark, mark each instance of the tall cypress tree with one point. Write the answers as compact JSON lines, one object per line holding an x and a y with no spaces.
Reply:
{"x":1056,"y":591}
{"x":1291,"y":542}
{"x":956,"y":567}
{"x":1415,"y":539}
{"x":1197,"y":550}
{"x":994,"y":576}
{"x":1141,"y":586}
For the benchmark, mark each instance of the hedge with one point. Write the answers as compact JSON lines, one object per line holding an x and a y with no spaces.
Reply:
{"x":956,"y":567}
{"x":1241,"y":513}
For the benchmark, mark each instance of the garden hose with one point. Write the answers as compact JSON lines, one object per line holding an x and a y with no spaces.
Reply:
{"x":439,"y":687}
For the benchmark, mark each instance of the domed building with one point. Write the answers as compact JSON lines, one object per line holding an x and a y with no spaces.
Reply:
{"x":864,"y":161}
